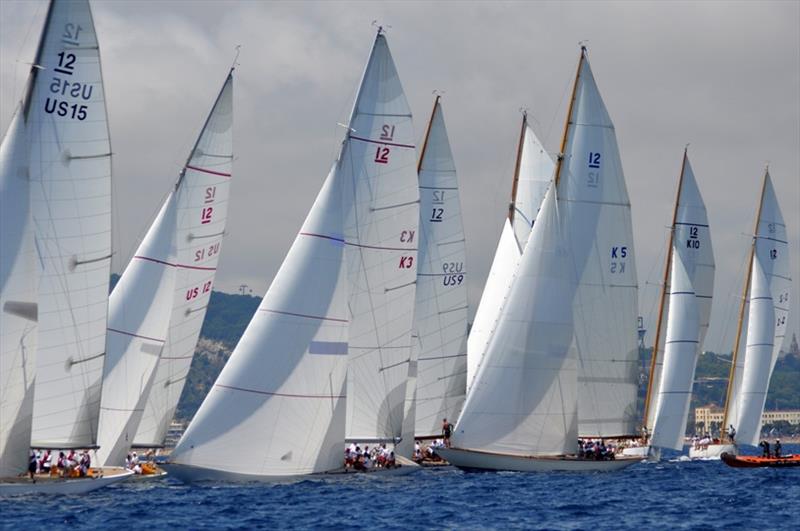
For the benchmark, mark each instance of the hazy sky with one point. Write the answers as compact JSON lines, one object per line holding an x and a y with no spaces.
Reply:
{"x":724,"y":77}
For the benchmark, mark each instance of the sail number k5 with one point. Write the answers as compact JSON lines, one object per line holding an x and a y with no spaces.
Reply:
{"x":618,"y":255}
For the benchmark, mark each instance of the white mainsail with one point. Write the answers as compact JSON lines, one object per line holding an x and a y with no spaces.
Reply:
{"x":770,"y":284}
{"x":139,"y":311}
{"x":381,"y":199}
{"x":201,"y":201}
{"x":596,"y":216}
{"x":278,"y":407}
{"x":533,"y":175}
{"x":524,"y":398}
{"x":70,"y":173}
{"x":441,"y":305}
{"x":18,"y":281}
{"x":690,"y":289}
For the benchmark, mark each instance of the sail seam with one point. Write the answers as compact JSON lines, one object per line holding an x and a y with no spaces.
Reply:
{"x":204,"y":170}
{"x":382,"y":142}
{"x":268,"y":393}
{"x":320,"y":318}
{"x":136,"y":335}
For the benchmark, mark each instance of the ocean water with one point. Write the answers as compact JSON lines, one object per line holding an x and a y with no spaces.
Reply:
{"x":671,"y":494}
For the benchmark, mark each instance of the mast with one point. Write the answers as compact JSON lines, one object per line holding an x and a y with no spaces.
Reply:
{"x":569,"y":117}
{"x":427,"y":135}
{"x":511,"y":205}
{"x":724,"y":427}
{"x":662,"y":300}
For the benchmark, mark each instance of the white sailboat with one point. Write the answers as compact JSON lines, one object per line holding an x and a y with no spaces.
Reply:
{"x":143,"y":301}
{"x":533,"y":173}
{"x":761,"y":330}
{"x":441,"y":300}
{"x":685,"y":304}
{"x":57,"y":169}
{"x":546,"y":358}
{"x":278,"y":408}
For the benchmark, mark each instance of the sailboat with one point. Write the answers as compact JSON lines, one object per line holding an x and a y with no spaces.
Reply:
{"x":761,"y":329}
{"x":685,"y":305}
{"x":278,"y":408}
{"x":441,"y":300}
{"x":185,"y":236}
{"x":560,"y":364}
{"x":533,"y":173}
{"x":56,"y":256}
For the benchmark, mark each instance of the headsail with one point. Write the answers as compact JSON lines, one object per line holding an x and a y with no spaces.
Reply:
{"x":381,"y":199}
{"x":690,"y":290}
{"x":70,"y":172}
{"x":441,"y":304}
{"x":770,"y":284}
{"x":278,"y":407}
{"x":201,"y":200}
{"x":596,"y":216}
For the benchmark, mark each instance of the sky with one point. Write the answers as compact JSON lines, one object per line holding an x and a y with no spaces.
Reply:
{"x":723,"y":77}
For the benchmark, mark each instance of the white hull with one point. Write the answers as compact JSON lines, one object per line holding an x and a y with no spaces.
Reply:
{"x":472,"y":459}
{"x":147,"y":477}
{"x":639,"y":451}
{"x":24,"y":486}
{"x":713,"y":451}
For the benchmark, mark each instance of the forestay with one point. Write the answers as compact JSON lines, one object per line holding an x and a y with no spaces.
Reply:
{"x":596,"y":217}
{"x":18,"y":280}
{"x":441,"y":300}
{"x":202,"y":206}
{"x":381,"y":200}
{"x":524,"y":398}
{"x":770,"y":284}
{"x":691,"y":287}
{"x":70,"y":173}
{"x":278,"y":407}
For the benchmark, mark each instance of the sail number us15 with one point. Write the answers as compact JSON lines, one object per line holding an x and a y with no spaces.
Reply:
{"x":63,"y":91}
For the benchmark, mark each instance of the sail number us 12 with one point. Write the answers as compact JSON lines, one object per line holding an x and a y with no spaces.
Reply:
{"x":66,"y":95}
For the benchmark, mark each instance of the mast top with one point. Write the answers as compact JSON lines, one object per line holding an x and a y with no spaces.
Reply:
{"x":381,"y":28}
{"x":235,"y":62}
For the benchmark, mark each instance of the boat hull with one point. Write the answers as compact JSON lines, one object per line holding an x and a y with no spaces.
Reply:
{"x":55,"y":486}
{"x":642,"y":452}
{"x":749,"y":461}
{"x":479,"y":460}
{"x":712,"y":451}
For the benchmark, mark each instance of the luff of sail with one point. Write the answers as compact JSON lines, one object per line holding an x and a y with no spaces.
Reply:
{"x":381,"y":199}
{"x":202,"y":206}
{"x":139,"y":311}
{"x":532,"y":177}
{"x":70,"y":172}
{"x":524,"y":398}
{"x":441,"y":300}
{"x":770,"y":284}
{"x":596,"y":217}
{"x":690,"y":290}
{"x":18,"y":276}
{"x":278,"y":407}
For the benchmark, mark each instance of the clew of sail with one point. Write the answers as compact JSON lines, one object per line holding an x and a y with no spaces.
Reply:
{"x":441,"y":303}
{"x":70,"y":174}
{"x":596,"y":216}
{"x":278,"y":407}
{"x":381,"y":217}
{"x":524,"y":398}
{"x":201,"y":199}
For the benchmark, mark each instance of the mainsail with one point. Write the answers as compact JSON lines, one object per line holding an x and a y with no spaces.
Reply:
{"x":596,"y":216}
{"x":441,"y":304}
{"x":524,"y":398}
{"x":70,"y":174}
{"x":381,"y":198}
{"x":278,"y":407}
{"x":689,"y":289}
{"x":769,"y":288}
{"x":532,"y":176}
{"x":18,"y":281}
{"x":201,"y":202}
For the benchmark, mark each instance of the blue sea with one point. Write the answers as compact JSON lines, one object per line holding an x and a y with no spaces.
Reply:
{"x":671,"y":494}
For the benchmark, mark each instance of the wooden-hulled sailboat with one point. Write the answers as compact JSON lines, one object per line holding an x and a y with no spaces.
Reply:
{"x":191,"y":221}
{"x":761,"y":329}
{"x":685,"y":307}
{"x":56,"y":199}
{"x":533,"y":173}
{"x":440,"y":341}
{"x":278,"y":408}
{"x":561,"y":361}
